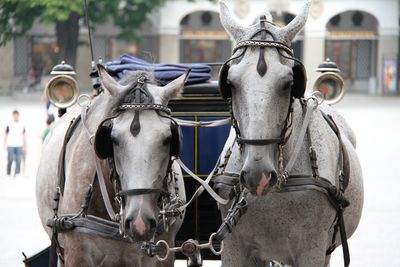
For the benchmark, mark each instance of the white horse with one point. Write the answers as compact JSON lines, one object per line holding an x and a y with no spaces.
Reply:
{"x":290,"y":217}
{"x":138,"y":142}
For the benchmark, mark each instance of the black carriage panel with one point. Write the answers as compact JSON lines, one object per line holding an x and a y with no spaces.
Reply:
{"x":201,"y":149}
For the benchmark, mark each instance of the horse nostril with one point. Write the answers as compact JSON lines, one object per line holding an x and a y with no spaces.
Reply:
{"x":273,"y":178}
{"x":152,"y":223}
{"x":127,"y":224}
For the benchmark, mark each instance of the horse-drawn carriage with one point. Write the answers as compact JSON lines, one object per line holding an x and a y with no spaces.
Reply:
{"x":280,"y":168}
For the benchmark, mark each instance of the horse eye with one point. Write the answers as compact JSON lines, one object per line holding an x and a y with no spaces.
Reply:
{"x":288,"y":84}
{"x":167,"y":140}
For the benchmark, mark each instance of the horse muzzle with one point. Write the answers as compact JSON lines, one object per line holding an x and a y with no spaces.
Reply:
{"x":139,"y":222}
{"x":139,"y":227}
{"x":258,"y":178}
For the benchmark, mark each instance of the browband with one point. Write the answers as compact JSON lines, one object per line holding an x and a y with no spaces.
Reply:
{"x":261,"y":43}
{"x":145,"y":107}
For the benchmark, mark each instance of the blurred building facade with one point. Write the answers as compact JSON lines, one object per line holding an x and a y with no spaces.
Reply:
{"x":361,"y":36}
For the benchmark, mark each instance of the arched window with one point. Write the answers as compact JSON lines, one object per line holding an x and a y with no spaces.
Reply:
{"x":351,"y":42}
{"x":203,"y":39}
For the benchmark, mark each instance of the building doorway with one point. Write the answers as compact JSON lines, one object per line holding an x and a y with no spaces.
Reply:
{"x":351,"y":43}
{"x":204,"y":40}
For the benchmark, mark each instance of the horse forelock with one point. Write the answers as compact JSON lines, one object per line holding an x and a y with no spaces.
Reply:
{"x":131,"y":79}
{"x":137,"y":87}
{"x":127,"y":95}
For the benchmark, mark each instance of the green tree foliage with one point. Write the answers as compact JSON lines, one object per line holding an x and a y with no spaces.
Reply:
{"x":17,"y":17}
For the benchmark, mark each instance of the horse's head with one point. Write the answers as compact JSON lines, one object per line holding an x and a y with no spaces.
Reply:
{"x":261,"y":78}
{"x":140,"y":138}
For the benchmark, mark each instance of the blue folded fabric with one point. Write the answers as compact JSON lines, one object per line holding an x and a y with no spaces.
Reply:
{"x":164,"y":73}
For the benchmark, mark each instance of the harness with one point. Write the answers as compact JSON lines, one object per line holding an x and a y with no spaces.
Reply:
{"x":287,"y":182}
{"x":113,"y":228}
{"x":229,"y":183}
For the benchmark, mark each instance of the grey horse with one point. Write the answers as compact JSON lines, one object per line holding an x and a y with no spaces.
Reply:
{"x":294,"y":227}
{"x":141,"y":161}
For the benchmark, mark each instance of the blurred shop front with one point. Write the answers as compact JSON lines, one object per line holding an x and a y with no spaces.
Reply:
{"x":351,"y":42}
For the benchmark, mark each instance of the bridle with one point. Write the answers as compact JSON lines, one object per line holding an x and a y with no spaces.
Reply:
{"x":83,"y":222}
{"x":261,"y":69}
{"x":103,"y":138}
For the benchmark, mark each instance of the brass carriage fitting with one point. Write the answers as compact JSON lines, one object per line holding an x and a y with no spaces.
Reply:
{"x":62,"y":90}
{"x":330,"y":84}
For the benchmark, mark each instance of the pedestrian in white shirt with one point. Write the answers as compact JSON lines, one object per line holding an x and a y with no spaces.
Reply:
{"x":15,"y":143}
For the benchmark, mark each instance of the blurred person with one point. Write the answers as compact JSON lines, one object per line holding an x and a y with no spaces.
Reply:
{"x":46,"y":131}
{"x":15,"y":143}
{"x":50,"y":111}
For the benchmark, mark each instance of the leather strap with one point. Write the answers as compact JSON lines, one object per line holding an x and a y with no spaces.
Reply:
{"x":261,"y":64}
{"x":204,"y":184}
{"x":141,"y":191}
{"x":53,"y":250}
{"x":213,"y":123}
{"x":237,"y":210}
{"x":263,"y":43}
{"x":345,"y":157}
{"x":300,"y":138}
{"x":258,"y":142}
{"x":343,"y":237}
{"x":100,"y":176}
{"x":61,"y":161}
{"x":89,"y":224}
{"x":336,"y":198}
{"x":344,"y":177}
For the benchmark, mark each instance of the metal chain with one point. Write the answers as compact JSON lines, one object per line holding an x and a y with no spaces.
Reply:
{"x":282,"y":174}
{"x":189,"y":248}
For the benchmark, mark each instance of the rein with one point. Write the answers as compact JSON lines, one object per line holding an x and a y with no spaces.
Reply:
{"x":99,"y":172}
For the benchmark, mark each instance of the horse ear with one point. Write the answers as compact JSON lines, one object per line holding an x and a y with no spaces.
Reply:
{"x":297,"y":23}
{"x":230,"y":24}
{"x":108,"y":82}
{"x":174,"y":88}
{"x":268,"y":15}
